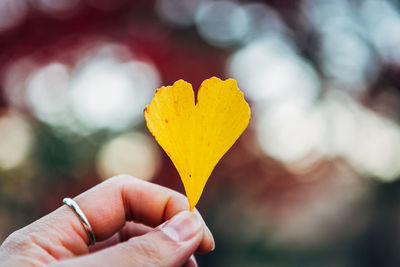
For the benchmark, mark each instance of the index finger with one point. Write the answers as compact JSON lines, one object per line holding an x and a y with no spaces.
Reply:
{"x":110,"y":204}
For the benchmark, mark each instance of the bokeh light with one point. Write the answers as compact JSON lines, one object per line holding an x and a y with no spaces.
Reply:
{"x":368,"y":141}
{"x":375,"y":149}
{"x":383,"y":27}
{"x":15,"y":139}
{"x":105,"y":89}
{"x":133,"y":153}
{"x":350,"y":62}
{"x":271,"y":73}
{"x":12,"y":13}
{"x":15,"y":82}
{"x":179,"y":13}
{"x":111,"y":94}
{"x":290,"y":133}
{"x":222,"y":23}
{"x":47,"y":91}
{"x":263,"y":21}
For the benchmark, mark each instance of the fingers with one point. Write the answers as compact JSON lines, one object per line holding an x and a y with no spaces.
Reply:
{"x":110,"y":204}
{"x":170,"y":244}
{"x":131,"y":229}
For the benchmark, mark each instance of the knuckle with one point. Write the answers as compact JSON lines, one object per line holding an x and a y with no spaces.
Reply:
{"x":17,"y":241}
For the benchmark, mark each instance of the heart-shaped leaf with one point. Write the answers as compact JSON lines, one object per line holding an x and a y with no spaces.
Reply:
{"x":195,"y":137}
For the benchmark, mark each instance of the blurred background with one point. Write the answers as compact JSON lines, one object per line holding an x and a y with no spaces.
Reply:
{"x":313,"y":181}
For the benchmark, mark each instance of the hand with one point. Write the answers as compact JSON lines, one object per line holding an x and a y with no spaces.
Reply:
{"x":122,"y":212}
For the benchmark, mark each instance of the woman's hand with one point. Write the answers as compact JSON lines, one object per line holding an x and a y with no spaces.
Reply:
{"x":122,"y":212}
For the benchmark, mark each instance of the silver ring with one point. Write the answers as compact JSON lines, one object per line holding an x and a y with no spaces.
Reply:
{"x":74,"y":206}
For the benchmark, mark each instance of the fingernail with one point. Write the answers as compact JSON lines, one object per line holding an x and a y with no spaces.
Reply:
{"x":182,"y":227}
{"x":207,"y":230}
{"x":191,"y":262}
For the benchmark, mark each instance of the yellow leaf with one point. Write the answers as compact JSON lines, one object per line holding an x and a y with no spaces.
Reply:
{"x":196,"y":137}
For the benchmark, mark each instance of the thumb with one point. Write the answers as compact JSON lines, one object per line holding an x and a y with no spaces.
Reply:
{"x":170,"y":244}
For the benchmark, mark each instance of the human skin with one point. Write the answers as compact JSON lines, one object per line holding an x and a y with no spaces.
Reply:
{"x":136,"y":223}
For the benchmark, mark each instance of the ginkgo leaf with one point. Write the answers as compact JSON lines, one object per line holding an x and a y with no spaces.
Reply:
{"x":195,"y":137}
